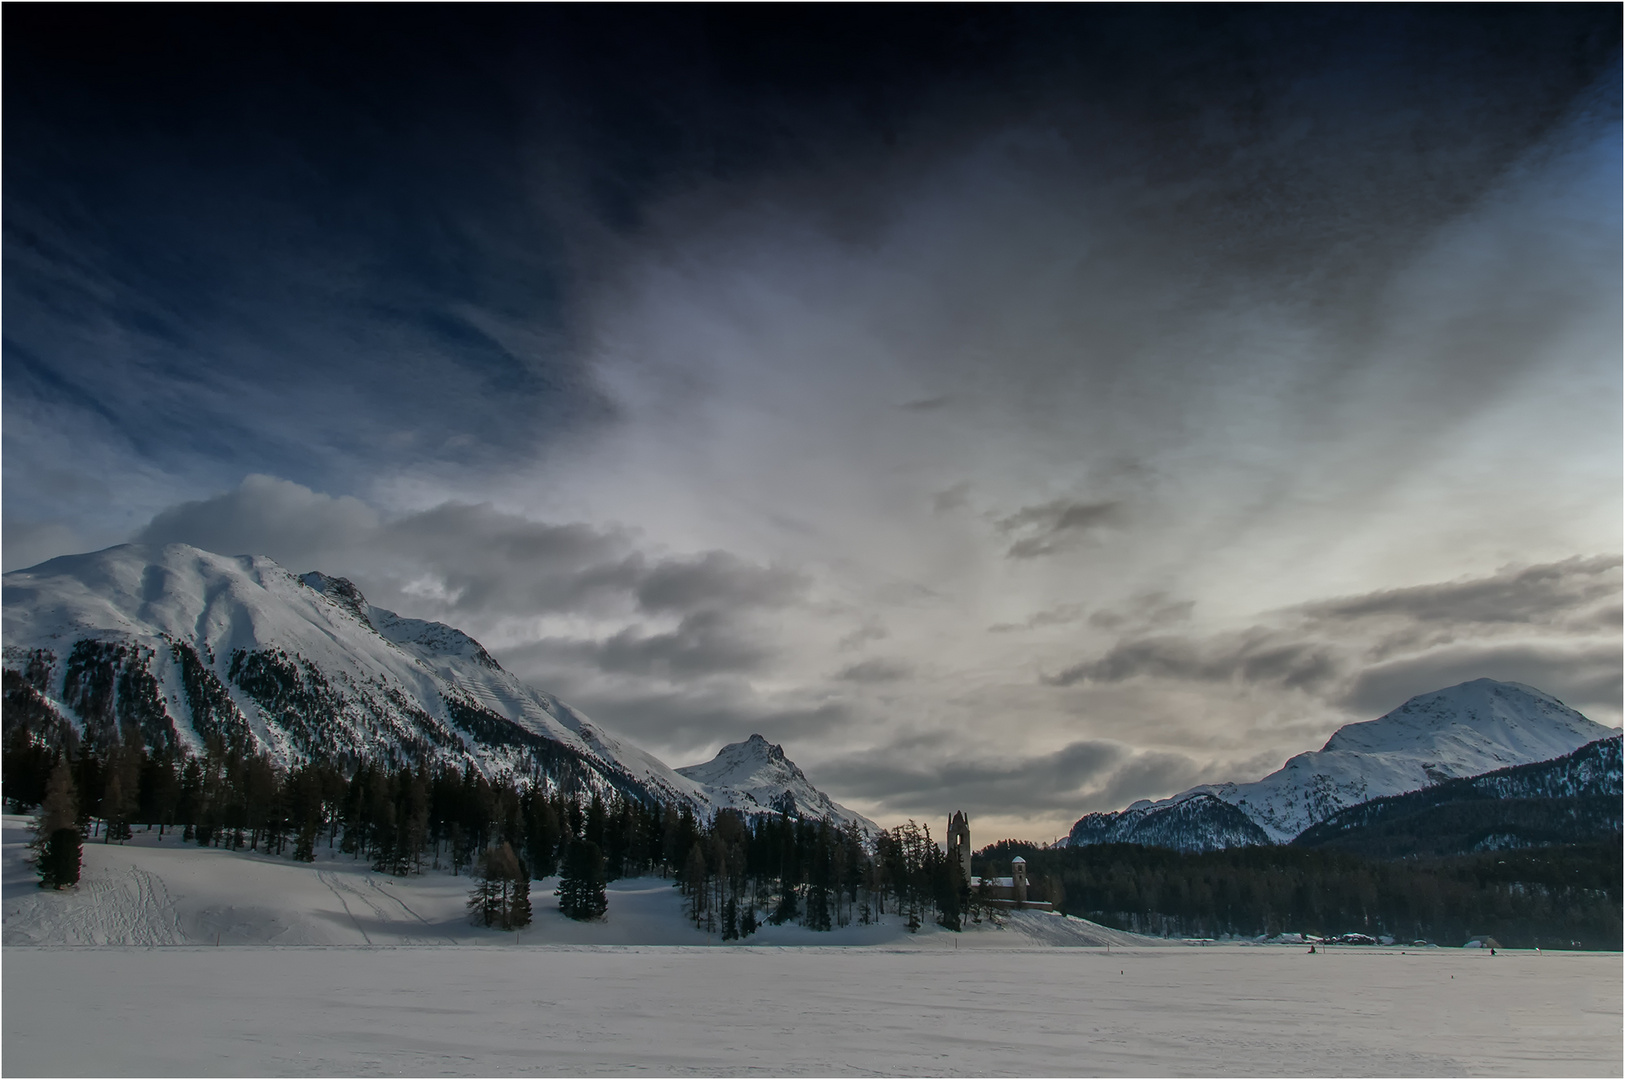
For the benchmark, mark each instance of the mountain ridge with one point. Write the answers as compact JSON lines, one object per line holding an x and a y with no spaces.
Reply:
{"x":1464,"y":730}
{"x":189,"y":645}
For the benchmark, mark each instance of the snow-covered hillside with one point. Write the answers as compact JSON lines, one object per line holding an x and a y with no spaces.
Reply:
{"x":161,"y":891}
{"x":755,"y":777}
{"x":187,"y":645}
{"x":1198,"y":823}
{"x":1464,"y":730}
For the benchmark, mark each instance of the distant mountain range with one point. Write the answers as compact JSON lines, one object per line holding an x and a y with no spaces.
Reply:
{"x":186,"y":645}
{"x":1462,"y":731}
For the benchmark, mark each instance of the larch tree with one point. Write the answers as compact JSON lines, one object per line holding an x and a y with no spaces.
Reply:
{"x":58,"y":844}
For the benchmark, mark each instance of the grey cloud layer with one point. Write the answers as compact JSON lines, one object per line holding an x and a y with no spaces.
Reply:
{"x":1082,"y":775}
{"x":1554,"y":625}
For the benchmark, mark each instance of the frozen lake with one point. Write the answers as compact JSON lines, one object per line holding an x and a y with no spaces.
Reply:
{"x":595,"y":1010}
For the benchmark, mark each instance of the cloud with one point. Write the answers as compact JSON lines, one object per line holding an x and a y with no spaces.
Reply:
{"x":704,"y":643}
{"x":1257,"y":655}
{"x":1049,"y":527}
{"x":1143,"y":612}
{"x":717,"y":579}
{"x":265,"y":515}
{"x":875,"y":671}
{"x":1514,"y":594}
{"x":474,"y":565}
{"x":1082,"y":775}
{"x":1550,"y":625}
{"x":1055,"y":616}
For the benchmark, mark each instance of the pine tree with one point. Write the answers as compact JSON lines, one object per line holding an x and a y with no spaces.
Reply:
{"x":519,"y":902}
{"x":581,"y":886}
{"x":58,"y":843}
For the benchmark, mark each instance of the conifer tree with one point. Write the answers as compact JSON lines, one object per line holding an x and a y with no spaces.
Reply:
{"x":581,"y":886}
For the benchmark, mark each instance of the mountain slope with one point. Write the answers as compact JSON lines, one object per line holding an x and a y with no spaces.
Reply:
{"x":1463,"y":730}
{"x":1572,"y":799}
{"x":186,"y":645}
{"x":1199,"y":823}
{"x":755,"y":777}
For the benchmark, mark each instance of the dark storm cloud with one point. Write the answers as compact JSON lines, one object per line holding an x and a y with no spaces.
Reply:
{"x":1054,"y":526}
{"x":1373,"y":651}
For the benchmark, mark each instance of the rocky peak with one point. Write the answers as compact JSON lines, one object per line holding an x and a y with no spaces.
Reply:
{"x":340,"y":590}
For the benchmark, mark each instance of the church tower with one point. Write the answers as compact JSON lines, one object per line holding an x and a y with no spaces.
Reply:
{"x":959,"y":843}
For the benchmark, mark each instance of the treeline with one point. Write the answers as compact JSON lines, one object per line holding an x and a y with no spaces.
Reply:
{"x":777,"y":869}
{"x":735,"y":873}
{"x":1562,"y":896}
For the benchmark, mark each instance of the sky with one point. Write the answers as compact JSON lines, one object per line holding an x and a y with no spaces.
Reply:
{"x":1016,"y":409}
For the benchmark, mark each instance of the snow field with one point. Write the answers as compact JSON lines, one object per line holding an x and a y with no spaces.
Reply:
{"x":1228,"y":1010}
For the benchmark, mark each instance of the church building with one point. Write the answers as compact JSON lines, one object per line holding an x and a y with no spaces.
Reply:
{"x":1009,"y":892}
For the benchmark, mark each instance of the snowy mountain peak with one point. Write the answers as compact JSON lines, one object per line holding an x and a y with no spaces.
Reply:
{"x":774,"y":751}
{"x":754,"y":776}
{"x":1465,"y":730}
{"x":1520,"y":719}
{"x":199,"y":645}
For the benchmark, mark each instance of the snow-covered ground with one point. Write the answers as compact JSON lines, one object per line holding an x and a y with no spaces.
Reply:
{"x":295,"y":989}
{"x":152,"y":892}
{"x":597,"y":1010}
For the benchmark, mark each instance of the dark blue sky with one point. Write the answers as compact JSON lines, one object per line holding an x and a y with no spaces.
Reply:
{"x":1291,"y":287}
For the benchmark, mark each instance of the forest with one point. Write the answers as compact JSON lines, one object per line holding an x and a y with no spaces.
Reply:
{"x":1555,"y":897}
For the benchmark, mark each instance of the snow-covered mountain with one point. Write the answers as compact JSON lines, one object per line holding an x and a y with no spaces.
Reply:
{"x":755,"y":777}
{"x":1574,"y":799}
{"x":187,"y":645}
{"x":1199,"y":823}
{"x":1464,"y":730}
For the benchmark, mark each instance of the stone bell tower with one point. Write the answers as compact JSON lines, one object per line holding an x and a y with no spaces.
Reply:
{"x":1018,"y":879}
{"x":959,"y":843}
